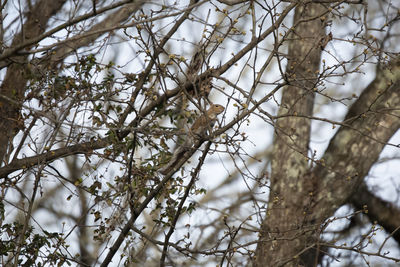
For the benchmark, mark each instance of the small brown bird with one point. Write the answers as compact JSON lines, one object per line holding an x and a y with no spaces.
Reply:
{"x":207,"y":120}
{"x":200,"y":127}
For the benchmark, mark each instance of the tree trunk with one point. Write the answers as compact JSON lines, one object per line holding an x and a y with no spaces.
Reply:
{"x":287,"y":230}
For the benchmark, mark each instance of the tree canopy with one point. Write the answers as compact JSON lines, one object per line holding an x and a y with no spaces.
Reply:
{"x":199,"y":133}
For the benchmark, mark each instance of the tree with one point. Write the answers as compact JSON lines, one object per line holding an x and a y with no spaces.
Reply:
{"x":145,"y":133}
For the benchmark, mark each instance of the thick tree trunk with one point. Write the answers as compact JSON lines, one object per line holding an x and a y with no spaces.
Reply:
{"x":301,"y":199}
{"x":286,"y":232}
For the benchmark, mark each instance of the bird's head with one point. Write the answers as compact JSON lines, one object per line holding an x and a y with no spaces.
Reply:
{"x":215,"y":109}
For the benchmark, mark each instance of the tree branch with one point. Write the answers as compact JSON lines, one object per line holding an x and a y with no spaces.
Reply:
{"x":383,"y":212}
{"x":351,"y":154}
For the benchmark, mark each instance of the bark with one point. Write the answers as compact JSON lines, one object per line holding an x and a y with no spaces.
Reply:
{"x":378,"y":210}
{"x":282,"y":235}
{"x":356,"y":147}
{"x":301,"y":198}
{"x":18,"y":72}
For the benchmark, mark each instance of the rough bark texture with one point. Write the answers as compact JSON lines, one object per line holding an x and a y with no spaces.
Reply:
{"x":301,"y":199}
{"x":356,"y":147}
{"x":283,"y":231}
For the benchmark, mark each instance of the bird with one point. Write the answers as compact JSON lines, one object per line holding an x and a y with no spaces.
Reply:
{"x":198,"y":129}
{"x":207,"y":120}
